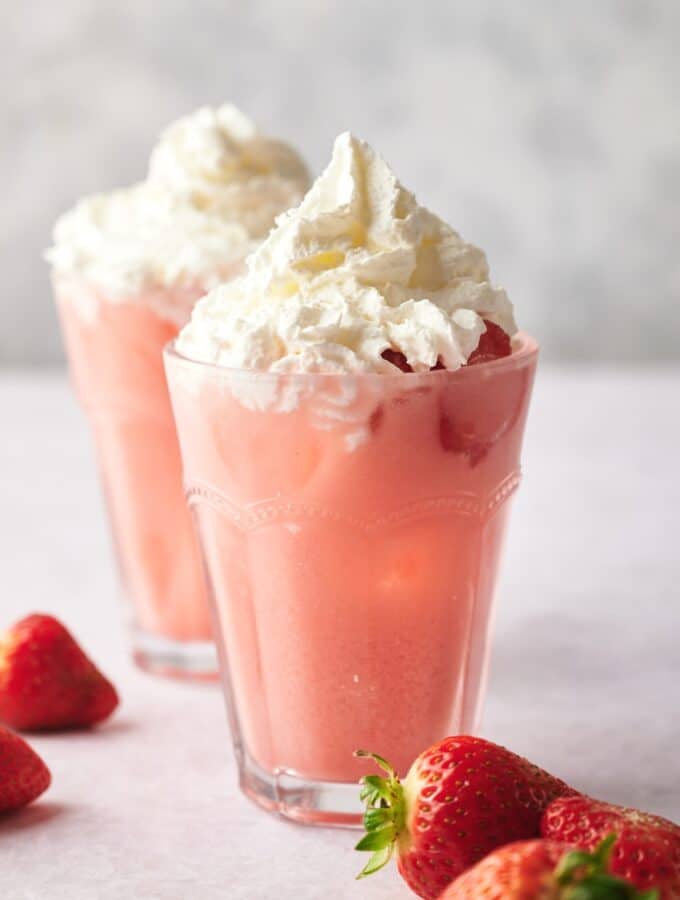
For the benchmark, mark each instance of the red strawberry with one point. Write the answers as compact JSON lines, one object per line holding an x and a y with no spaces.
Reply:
{"x":647,"y":852}
{"x":462,"y":439}
{"x":493,"y":344}
{"x":376,"y":418}
{"x":47,"y":682}
{"x":544,"y":870}
{"x":396,"y":358}
{"x":461,"y":799}
{"x":23,"y":775}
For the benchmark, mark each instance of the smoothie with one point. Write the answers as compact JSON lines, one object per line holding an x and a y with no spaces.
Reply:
{"x":354,"y":587}
{"x":115,"y":360}
{"x":127,"y":269}
{"x":350,"y":415}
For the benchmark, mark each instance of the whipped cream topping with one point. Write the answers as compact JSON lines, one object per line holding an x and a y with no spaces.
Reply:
{"x":213,"y":191}
{"x":357,"y":268}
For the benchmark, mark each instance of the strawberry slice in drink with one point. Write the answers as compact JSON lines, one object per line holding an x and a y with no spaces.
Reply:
{"x":397,"y":359}
{"x":460,"y":437}
{"x":494,"y":343}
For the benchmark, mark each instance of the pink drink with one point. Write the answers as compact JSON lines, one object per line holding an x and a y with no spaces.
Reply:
{"x":129,"y":265}
{"x":352,"y":527}
{"x":115,"y":356}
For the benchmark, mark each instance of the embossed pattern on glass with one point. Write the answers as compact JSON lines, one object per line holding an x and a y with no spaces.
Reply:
{"x":351,"y":527}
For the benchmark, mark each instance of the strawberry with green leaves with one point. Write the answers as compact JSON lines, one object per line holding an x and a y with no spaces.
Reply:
{"x":461,"y":799}
{"x":545,"y":870}
{"x":647,"y":852}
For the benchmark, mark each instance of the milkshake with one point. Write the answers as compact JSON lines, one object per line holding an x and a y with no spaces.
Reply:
{"x":350,"y":415}
{"x":127,"y":268}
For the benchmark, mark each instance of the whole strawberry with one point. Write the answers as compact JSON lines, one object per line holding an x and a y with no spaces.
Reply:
{"x":23,"y":775}
{"x":461,"y":799}
{"x":647,"y":852}
{"x":544,"y":870}
{"x":47,"y":682}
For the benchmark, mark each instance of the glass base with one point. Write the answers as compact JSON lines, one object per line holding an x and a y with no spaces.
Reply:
{"x":306,"y":801}
{"x":188,"y":660}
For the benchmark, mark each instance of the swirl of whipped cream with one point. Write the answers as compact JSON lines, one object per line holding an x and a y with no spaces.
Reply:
{"x":356,"y":269}
{"x":213,"y":191}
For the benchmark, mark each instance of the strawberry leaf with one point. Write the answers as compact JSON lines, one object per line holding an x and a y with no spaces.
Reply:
{"x":376,"y":818}
{"x":385,"y":816}
{"x":586,"y":876}
{"x":379,"y":859}
{"x":377,"y":840}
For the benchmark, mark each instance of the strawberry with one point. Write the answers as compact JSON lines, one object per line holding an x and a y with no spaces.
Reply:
{"x":47,"y":682}
{"x":23,"y":775}
{"x":461,"y":799}
{"x":397,"y":359}
{"x":376,"y":418}
{"x":544,"y":870}
{"x":461,"y":438}
{"x":647,"y":852}
{"x":493,"y":344}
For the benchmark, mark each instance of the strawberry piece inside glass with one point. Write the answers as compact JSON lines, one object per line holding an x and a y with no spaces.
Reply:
{"x":494,"y":343}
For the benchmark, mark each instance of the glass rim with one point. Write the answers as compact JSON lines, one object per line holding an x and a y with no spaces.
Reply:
{"x":525,"y":350}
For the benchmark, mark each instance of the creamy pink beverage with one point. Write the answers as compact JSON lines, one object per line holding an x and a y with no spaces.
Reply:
{"x":115,"y":358}
{"x":128,"y":268}
{"x":350,"y":416}
{"x":354,"y":586}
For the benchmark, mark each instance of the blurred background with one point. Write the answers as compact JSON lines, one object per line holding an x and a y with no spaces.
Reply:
{"x":547,"y":133}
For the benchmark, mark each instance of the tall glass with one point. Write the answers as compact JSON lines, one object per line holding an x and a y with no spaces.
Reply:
{"x":115,"y":348}
{"x":351,"y":527}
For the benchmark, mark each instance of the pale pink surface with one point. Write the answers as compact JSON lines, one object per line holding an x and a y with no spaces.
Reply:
{"x":115,"y":357}
{"x":353,"y":586}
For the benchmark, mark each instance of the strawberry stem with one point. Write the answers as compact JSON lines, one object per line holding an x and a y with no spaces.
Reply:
{"x":586,"y":876}
{"x":385,"y":816}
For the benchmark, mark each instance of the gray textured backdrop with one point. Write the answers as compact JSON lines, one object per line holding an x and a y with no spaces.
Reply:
{"x":547,"y":132}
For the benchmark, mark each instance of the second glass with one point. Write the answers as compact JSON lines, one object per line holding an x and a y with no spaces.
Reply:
{"x":351,"y":527}
{"x":116,"y":364}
